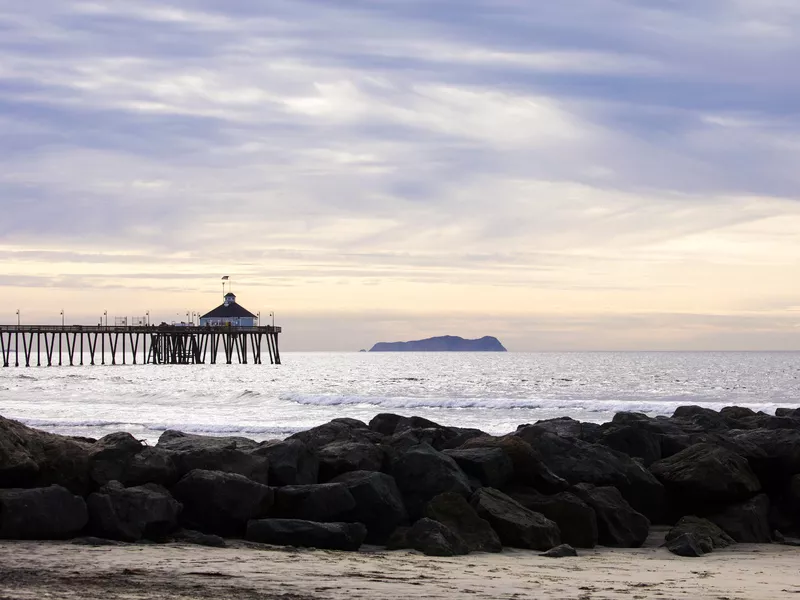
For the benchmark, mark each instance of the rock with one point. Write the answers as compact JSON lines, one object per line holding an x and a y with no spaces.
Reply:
{"x":433,"y":538}
{"x":703,"y":476}
{"x":452,"y":510}
{"x":378,"y":503}
{"x":422,"y":473}
{"x":746,"y":522}
{"x":290,"y":462}
{"x":32,"y":458}
{"x":618,"y":524}
{"x":49,"y":513}
{"x":491,"y":466}
{"x":793,"y":413}
{"x":121,"y":457}
{"x":773,"y":455}
{"x":580,"y":462}
{"x":130,"y":514}
{"x":346,"y":456}
{"x":516,"y":526}
{"x":529,"y":466}
{"x":307,"y":534}
{"x":575,"y":519}
{"x":338,"y":430}
{"x":226,"y":455}
{"x":385,"y":423}
{"x":671,"y":437}
{"x":562,"y":426}
{"x":189,"y":536}
{"x":560,"y":551}
{"x":634,"y":441}
{"x":689,"y":545}
{"x":221,"y":503}
{"x":698,"y":418}
{"x":700,"y":528}
{"x":323,"y":502}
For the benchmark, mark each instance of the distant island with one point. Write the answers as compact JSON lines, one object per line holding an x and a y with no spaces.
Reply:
{"x":444,"y":343}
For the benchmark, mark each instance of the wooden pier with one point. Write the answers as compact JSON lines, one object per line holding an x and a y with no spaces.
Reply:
{"x":57,"y":345}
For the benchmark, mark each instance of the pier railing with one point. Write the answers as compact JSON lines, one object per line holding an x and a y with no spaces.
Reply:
{"x":50,"y":345}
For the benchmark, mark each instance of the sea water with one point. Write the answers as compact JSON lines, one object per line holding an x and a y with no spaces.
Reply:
{"x":493,"y":392}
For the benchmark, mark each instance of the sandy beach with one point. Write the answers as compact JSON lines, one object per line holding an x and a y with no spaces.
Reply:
{"x":250,"y":571}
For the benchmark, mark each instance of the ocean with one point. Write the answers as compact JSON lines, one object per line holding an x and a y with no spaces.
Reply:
{"x":493,"y":392}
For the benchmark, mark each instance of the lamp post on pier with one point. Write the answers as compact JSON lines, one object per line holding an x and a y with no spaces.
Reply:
{"x":62,"y":317}
{"x":18,"y":322}
{"x":105,"y":314}
{"x":272,"y":314}
{"x":147,"y":314}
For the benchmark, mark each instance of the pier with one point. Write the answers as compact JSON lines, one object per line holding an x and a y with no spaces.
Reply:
{"x":57,"y":345}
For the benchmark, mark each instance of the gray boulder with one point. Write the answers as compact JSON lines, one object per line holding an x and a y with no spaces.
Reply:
{"x":689,"y":545}
{"x":338,"y":430}
{"x":575,"y":519}
{"x":435,"y":539}
{"x":307,"y":534}
{"x":746,"y":522}
{"x":130,"y":514}
{"x":491,"y":466}
{"x":221,"y":503}
{"x":618,"y":524}
{"x":291,"y":462}
{"x":452,"y":510}
{"x":516,"y":526}
{"x":226,"y":455}
{"x":33,"y":458}
{"x":345,"y":456}
{"x":704,"y":475}
{"x":700,"y":528}
{"x":121,"y":457}
{"x":560,"y":551}
{"x":580,"y":462}
{"x":49,"y":513}
{"x":422,"y":473}
{"x":323,"y":502}
{"x":378,"y":503}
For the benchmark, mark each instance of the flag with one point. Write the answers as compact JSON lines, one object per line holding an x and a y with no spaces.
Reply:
{"x":225,"y":278}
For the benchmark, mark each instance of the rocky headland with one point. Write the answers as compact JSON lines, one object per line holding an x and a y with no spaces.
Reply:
{"x":713,"y":478}
{"x":444,"y":343}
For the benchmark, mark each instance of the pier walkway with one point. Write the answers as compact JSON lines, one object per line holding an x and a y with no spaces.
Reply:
{"x":56,"y":345}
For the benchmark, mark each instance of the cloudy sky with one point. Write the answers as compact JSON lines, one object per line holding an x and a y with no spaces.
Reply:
{"x":580,"y":174}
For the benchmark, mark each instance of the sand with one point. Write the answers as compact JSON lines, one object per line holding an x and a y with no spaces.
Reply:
{"x":249,"y":571}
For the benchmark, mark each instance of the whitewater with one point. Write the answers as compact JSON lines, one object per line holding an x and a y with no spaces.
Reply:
{"x":493,"y":392}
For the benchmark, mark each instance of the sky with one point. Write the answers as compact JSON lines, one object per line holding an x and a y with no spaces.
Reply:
{"x":571,"y":175}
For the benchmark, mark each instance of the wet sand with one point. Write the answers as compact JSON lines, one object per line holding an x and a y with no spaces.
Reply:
{"x":35,"y":570}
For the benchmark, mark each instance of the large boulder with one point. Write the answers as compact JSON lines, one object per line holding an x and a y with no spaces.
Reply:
{"x":490,"y":466}
{"x":699,"y":419}
{"x":345,"y":456}
{"x":452,"y":510}
{"x":703,"y":476}
{"x":580,"y":462}
{"x":689,"y":545}
{"x":130,"y":514}
{"x":338,"y":430}
{"x":774,"y":455}
{"x":291,"y":462}
{"x":307,"y":534}
{"x":618,"y":524}
{"x":323,"y":502}
{"x":33,"y":458}
{"x":422,"y":473}
{"x":746,"y":522}
{"x":515,"y":525}
{"x":378,"y":503}
{"x":221,"y":503}
{"x":434,"y":539}
{"x":575,"y":519}
{"x":700,"y":528}
{"x":562,"y":426}
{"x":121,"y":457}
{"x":671,"y":438}
{"x":635,"y":441}
{"x":227,"y":455}
{"x":529,"y":466}
{"x":49,"y":513}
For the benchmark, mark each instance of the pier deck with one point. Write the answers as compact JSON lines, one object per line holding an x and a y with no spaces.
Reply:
{"x":56,"y":345}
